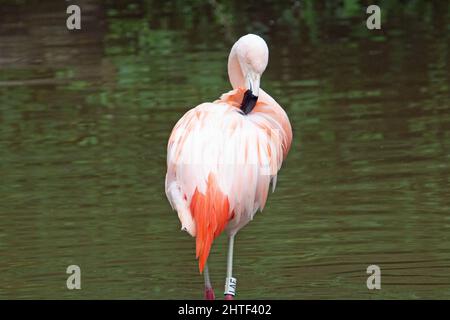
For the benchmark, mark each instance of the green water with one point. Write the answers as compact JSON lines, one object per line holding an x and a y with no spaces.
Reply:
{"x":85,"y":117}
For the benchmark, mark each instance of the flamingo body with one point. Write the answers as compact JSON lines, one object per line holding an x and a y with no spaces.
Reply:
{"x":220,"y":161}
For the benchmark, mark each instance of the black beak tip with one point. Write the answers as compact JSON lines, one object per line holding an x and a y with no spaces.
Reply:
{"x":249,"y":102}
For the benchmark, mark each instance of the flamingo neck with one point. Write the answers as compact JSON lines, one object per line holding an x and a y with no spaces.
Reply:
{"x":237,"y":80}
{"x":235,"y":73}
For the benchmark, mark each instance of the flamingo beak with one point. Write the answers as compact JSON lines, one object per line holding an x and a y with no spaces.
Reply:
{"x":251,"y":95}
{"x":253,"y":80}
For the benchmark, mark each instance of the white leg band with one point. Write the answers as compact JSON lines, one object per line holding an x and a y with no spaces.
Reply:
{"x":230,"y":286}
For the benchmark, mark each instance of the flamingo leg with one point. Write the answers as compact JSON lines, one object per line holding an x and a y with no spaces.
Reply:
{"x":209,"y":291}
{"x":230,"y":282}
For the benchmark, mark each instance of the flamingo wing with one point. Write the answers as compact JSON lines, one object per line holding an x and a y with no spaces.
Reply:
{"x":220,"y":165}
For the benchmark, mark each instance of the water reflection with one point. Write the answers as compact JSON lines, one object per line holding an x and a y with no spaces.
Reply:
{"x":85,"y":117}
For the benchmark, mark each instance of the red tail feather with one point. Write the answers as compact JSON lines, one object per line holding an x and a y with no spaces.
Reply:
{"x":211,"y":215}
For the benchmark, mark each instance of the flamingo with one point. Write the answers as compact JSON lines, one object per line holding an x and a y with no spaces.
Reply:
{"x":223,"y":156}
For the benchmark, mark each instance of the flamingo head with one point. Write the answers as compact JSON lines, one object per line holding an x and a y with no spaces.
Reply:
{"x":252,"y":55}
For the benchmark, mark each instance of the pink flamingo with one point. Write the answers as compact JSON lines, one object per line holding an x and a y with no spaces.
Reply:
{"x":223,"y":156}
